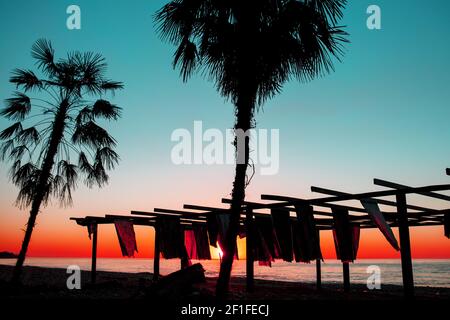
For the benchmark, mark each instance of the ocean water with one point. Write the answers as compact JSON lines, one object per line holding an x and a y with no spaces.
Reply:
{"x":433,"y":273}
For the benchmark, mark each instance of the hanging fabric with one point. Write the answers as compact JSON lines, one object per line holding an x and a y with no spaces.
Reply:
{"x":378,"y":219}
{"x":201,"y":241}
{"x":223,"y":222}
{"x":265,"y":226}
{"x":447,"y":224}
{"x":282,"y":225}
{"x":189,"y":242}
{"x":345,"y":235}
{"x":305,"y":234}
{"x":171,"y":237}
{"x":127,"y":237}
{"x":213,"y":229}
{"x":242,"y":231}
{"x":261,"y":252}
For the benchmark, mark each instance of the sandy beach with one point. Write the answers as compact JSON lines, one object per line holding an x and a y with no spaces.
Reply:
{"x":50,"y":283}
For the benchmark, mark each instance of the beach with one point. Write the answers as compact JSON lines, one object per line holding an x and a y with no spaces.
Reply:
{"x":50,"y":283}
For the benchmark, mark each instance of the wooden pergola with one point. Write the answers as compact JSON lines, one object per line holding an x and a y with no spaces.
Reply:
{"x":403,"y":216}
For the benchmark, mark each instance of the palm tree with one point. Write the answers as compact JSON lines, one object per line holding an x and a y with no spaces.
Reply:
{"x":55,"y":139}
{"x":250,"y":49}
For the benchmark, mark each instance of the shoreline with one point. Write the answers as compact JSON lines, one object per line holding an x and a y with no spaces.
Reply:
{"x":50,"y":283}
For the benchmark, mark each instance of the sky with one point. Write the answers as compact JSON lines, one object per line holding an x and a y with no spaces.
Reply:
{"x":383,"y":114}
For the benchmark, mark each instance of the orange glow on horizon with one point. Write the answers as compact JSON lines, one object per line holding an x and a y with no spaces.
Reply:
{"x":62,"y":239}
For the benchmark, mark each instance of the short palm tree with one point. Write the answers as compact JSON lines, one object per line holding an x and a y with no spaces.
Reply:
{"x":55,"y":139}
{"x":250,"y":49}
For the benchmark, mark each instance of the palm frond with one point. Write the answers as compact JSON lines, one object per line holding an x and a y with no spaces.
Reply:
{"x":18,"y":152}
{"x":108,"y":157}
{"x":109,"y":85}
{"x":5,"y":149}
{"x":29,"y":136}
{"x":84,"y":115}
{"x":44,"y":54}
{"x":7,"y":133}
{"x":92,"y":135}
{"x":105,"y":109}
{"x":23,"y":173}
{"x":69,"y":171}
{"x":186,"y":57}
{"x":26,"y":79}
{"x":17,"y":107}
{"x":83,"y":163}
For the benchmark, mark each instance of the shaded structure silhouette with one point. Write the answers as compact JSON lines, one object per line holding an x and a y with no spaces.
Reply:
{"x":404,"y":216}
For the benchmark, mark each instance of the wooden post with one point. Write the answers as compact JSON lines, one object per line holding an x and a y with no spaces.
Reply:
{"x":346,"y":272}
{"x":318,"y":274}
{"x":94,"y":229}
{"x":184,"y":263}
{"x":249,"y":250}
{"x":156,"y":255}
{"x":405,"y":246}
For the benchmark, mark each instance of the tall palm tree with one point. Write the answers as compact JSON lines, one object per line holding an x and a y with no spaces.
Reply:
{"x":55,"y":139}
{"x":250,"y":49}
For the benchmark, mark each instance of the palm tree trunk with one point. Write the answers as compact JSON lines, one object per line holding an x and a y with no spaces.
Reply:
{"x":26,"y":241}
{"x":244,"y":118}
{"x":42,"y":186}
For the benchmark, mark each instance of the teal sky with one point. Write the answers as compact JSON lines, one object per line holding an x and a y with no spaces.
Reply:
{"x":383,"y":113}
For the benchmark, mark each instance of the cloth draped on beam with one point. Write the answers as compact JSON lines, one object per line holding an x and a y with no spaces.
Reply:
{"x":282,"y":224}
{"x":189,"y":242}
{"x":378,"y":219}
{"x":447,"y":224}
{"x":196,"y":242}
{"x":218,"y":225}
{"x":171,"y":237}
{"x":261,"y":252}
{"x":345,"y":235}
{"x":127,"y":237}
{"x":213,"y":229}
{"x":306,"y":236}
{"x":265,"y":226}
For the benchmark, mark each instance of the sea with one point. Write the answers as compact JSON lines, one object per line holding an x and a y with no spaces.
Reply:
{"x":431,"y":273}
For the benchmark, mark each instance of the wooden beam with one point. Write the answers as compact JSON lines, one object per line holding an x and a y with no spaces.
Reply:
{"x":326,"y":205}
{"x":405,"y":247}
{"x":206,"y":208}
{"x":94,"y":253}
{"x":393,"y":185}
{"x":292,"y":209}
{"x":249,"y":250}
{"x":359,"y":196}
{"x":156,"y":256}
{"x":380,"y":201}
{"x":346,"y":274}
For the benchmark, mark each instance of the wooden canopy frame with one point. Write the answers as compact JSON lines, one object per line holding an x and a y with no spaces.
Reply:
{"x":404,"y":216}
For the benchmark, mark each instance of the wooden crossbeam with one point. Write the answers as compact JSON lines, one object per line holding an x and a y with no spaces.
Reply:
{"x":325,"y":205}
{"x":380,"y":201}
{"x":359,"y":196}
{"x":398,"y":186}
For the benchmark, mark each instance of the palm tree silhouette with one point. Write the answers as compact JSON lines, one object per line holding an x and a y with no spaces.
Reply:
{"x":62,"y":129}
{"x":250,"y":49}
